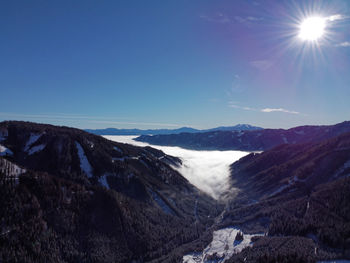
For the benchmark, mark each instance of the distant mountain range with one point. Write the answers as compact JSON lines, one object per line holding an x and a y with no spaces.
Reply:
{"x":114,"y":131}
{"x":247,"y":140}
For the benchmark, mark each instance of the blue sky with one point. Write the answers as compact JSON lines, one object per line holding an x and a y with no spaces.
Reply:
{"x":166,"y":64}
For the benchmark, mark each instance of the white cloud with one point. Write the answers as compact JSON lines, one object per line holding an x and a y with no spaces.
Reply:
{"x":266,"y":110}
{"x":279,"y":110}
{"x":336,"y":17}
{"x":262,"y":64}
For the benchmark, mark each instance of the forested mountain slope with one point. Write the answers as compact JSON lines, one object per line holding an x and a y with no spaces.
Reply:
{"x":298,"y":195}
{"x":70,"y":196}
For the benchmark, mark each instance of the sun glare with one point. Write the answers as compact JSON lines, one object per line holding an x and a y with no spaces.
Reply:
{"x":312,"y":28}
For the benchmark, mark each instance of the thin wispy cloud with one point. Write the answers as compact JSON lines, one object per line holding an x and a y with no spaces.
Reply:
{"x":343,"y":44}
{"x":339,"y":17}
{"x":279,"y":110}
{"x":237,"y":86}
{"x":242,"y":107}
{"x":262,"y":64}
{"x":247,"y":19}
{"x":225,"y":19}
{"x":336,"y":17}
{"x":266,"y":110}
{"x":217,"y":18}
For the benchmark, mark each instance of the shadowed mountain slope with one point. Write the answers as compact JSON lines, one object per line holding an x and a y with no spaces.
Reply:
{"x":71,"y":196}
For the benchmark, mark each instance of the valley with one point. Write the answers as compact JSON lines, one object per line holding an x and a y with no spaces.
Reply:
{"x":126,"y":200}
{"x":207,"y":170}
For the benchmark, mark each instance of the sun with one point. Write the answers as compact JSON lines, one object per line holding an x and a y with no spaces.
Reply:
{"x":312,"y":28}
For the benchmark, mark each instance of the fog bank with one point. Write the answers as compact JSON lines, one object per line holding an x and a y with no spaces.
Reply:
{"x":207,"y":170}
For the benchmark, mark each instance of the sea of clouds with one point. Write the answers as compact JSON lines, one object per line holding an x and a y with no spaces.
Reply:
{"x":207,"y":170}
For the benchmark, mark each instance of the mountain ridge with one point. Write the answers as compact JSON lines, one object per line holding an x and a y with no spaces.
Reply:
{"x":115,"y":131}
{"x":71,"y":196}
{"x":255,"y":140}
{"x":82,"y":198}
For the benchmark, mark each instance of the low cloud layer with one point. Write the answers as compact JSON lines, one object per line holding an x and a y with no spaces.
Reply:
{"x":207,"y":170}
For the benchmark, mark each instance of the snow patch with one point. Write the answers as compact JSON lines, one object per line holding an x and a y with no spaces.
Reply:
{"x":282,"y":188}
{"x":91,"y":144}
{"x":123,"y":159}
{"x":117,"y":149}
{"x":36,"y":149}
{"x":239,"y":133}
{"x":300,"y":132}
{"x":223,"y":245}
{"x":3,"y":135}
{"x":341,"y":170}
{"x":84,"y":162}
{"x":290,"y":183}
{"x":5,"y":151}
{"x":103,"y":181}
{"x":160,"y":202}
{"x":32,"y":139}
{"x":284,"y":139}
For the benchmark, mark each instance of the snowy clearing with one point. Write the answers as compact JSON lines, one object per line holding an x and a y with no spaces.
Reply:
{"x":3,"y":135}
{"x":84,"y":162}
{"x":32,"y":139}
{"x":117,"y":149}
{"x":5,"y":151}
{"x":35,"y":149}
{"x":161,"y":203}
{"x":223,"y":245}
{"x":103,"y":181}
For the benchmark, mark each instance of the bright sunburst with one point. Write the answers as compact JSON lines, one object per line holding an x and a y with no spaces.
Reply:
{"x":312,"y":28}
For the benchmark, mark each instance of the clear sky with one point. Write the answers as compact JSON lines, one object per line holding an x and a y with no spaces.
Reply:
{"x":166,"y":64}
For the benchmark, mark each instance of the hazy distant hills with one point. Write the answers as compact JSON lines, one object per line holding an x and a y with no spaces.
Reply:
{"x":71,"y":196}
{"x":247,"y":140}
{"x":114,"y":131}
